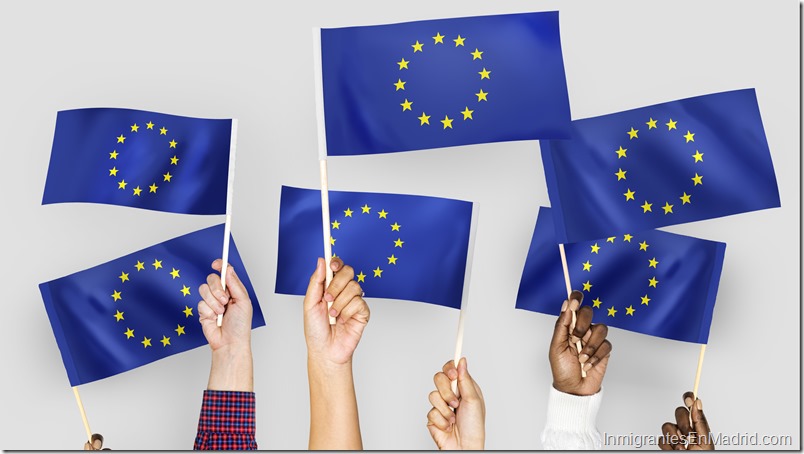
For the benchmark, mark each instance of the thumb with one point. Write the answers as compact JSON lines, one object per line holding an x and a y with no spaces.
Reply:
{"x":466,"y":384}
{"x":315,"y":291}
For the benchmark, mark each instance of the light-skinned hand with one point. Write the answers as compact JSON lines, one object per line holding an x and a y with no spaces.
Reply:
{"x":463,"y":426}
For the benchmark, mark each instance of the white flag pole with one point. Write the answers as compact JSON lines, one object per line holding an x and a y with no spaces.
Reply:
{"x":227,"y":227}
{"x":569,"y":292}
{"x":465,"y":295}
{"x":83,"y":414}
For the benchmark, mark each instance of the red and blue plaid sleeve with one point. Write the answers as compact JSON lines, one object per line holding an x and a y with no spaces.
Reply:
{"x":227,"y":421}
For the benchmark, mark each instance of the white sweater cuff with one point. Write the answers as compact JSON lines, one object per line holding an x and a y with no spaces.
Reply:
{"x":571,"y":421}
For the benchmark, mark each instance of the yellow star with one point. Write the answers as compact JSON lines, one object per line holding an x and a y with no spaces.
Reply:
{"x":620,"y":174}
{"x":332,"y":240}
{"x":632,"y":134}
{"x":123,"y":277}
{"x":596,"y":303}
{"x":117,"y":295}
{"x":685,"y":198}
{"x":399,"y":85}
{"x":377,"y":272}
{"x":137,"y":191}
{"x":484,"y":74}
{"x":646,"y":207}
{"x":146,"y":342}
{"x":366,"y":209}
{"x":645,"y":299}
{"x":621,"y":152}
{"x":671,"y":124}
{"x":417,"y":47}
{"x":135,"y":128}
{"x":361,"y":277}
{"x":447,"y":122}
{"x":188,"y":311}
{"x":587,"y":266}
{"x":348,"y":212}
{"x":149,"y":125}
{"x":140,"y":266}
{"x":627,"y":237}
{"x":336,"y":225}
{"x":174,"y":273}
{"x":629,"y":310}
{"x":185,"y":290}
{"x":113,"y":172}
{"x":424,"y":119}
{"x":163,"y":131}
{"x":121,"y":184}
{"x":118,"y":316}
{"x":467,"y":114}
{"x":652,"y":282}
{"x":459,"y":41}
{"x":587,"y":286}
{"x":652,"y":263}
{"x":121,"y":139}
{"x":173,"y":143}
{"x":113,"y":154}
{"x":392,"y":260}
{"x":595,"y":248}
{"x":698,"y":156}
{"x":438,"y":38}
{"x":403,"y":64}
{"x":697,"y":179}
{"x":167,"y":177}
{"x":610,"y":239}
{"x":398,"y":242}
{"x":165,"y":341}
{"x":157,"y":264}
{"x":651,"y":123}
{"x":129,"y":333}
{"x":174,"y":161}
{"x":153,"y":188}
{"x":481,"y":96}
{"x":643,"y":246}
{"x":383,"y":214}
{"x":477,"y":55}
{"x":690,"y":136}
{"x":611,"y":311}
{"x":668,"y":209}
{"x":179,"y":330}
{"x":629,"y":195}
{"x":406,"y":105}
{"x":395,"y":227}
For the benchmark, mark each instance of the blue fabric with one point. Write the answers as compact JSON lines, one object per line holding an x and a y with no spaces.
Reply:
{"x":679,"y":306}
{"x":526,"y":86}
{"x":428,"y":251}
{"x":83,"y":310}
{"x":139,"y":159}
{"x":717,"y":137}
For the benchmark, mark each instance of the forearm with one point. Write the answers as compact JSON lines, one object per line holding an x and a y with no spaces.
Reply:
{"x":334,"y":422}
{"x":232,"y":370}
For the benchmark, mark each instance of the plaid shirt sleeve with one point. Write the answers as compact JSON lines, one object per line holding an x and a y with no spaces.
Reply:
{"x":227,"y":421}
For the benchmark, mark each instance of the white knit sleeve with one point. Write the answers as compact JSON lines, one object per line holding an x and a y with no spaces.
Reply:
{"x":571,"y":421}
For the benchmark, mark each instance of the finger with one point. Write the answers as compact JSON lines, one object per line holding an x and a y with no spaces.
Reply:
{"x":97,"y":441}
{"x":235,"y":287}
{"x":315,"y":289}
{"x":339,"y":282}
{"x":351,"y":290}
{"x":205,"y":312}
{"x":444,"y":387}
{"x":439,"y":404}
{"x":688,"y":398}
{"x":336,"y":264}
{"x":435,"y":418}
{"x":601,"y":354}
{"x":595,"y":340}
{"x":450,"y":369}
{"x":670,"y":437}
{"x":561,"y":331}
{"x":357,"y":308}
{"x":683,"y":420}
{"x":583,"y":321}
{"x":213,"y":293}
{"x":699,"y":421}
{"x":466,"y":384}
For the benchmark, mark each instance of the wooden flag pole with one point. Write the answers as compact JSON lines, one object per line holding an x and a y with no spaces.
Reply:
{"x":698,"y":372}
{"x":465,"y":293}
{"x":569,"y":292}
{"x":458,"y":348}
{"x":83,"y":414}
{"x":227,"y":227}
{"x":327,"y":233}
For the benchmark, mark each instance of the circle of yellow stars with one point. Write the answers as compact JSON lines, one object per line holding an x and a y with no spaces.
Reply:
{"x":622,"y":174}
{"x":652,"y":283}
{"x":119,"y":295}
{"x":466,"y":113}
{"x":118,"y":174}
{"x":381,"y":215}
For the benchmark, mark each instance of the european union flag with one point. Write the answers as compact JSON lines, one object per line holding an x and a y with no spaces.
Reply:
{"x":140,"y":159}
{"x":400,"y":246}
{"x":138,"y":308}
{"x":681,"y":161}
{"x":442,"y":83}
{"x":651,"y":282}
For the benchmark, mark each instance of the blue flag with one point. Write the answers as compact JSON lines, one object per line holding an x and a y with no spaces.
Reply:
{"x":138,"y":308}
{"x":400,"y":246}
{"x":681,"y":161}
{"x":139,"y":159}
{"x":651,"y":282}
{"x":442,"y":83}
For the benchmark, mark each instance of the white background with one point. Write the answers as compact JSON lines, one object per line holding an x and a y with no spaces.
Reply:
{"x":253,"y":61}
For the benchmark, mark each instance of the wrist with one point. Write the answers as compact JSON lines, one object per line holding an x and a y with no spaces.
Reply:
{"x":232,"y":369}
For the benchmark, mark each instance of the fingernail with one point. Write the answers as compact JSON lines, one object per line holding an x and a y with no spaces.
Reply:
{"x":699,"y":404}
{"x":587,"y":366}
{"x":583,"y":358}
{"x":564,"y":306}
{"x":223,"y":299}
{"x":333,"y":312}
{"x":452,"y":419}
{"x":575,"y":339}
{"x":454,"y":404}
{"x":574,"y":305}
{"x":328,"y":297}
{"x":688,"y":402}
{"x":449,"y":428}
{"x":452,"y":374}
